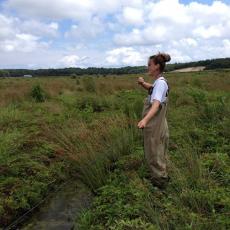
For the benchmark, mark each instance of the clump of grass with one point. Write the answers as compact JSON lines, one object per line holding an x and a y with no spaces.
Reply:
{"x":94,"y":154}
{"x":89,"y":84}
{"x":11,"y":117}
{"x":98,"y":104}
{"x":10,"y":141}
{"x":78,"y":82}
{"x":38,"y":93}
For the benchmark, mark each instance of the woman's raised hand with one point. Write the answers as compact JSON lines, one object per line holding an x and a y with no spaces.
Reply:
{"x":140,"y":80}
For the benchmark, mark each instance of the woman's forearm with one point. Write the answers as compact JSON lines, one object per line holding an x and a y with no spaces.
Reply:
{"x":146,"y":85}
{"x":152,"y":111}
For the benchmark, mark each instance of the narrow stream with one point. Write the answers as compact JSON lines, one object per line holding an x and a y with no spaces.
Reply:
{"x":60,"y":209}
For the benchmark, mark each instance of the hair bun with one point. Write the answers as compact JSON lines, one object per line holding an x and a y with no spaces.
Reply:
{"x":166,"y":57}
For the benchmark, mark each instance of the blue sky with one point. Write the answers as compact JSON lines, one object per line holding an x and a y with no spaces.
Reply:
{"x":75,"y":33}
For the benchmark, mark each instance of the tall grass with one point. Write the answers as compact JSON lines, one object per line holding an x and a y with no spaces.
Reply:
{"x":93,"y":154}
{"x":89,"y":84}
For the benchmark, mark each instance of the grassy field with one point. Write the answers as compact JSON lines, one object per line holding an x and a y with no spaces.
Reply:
{"x":52,"y":129}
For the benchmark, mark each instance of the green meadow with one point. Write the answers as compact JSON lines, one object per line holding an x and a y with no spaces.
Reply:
{"x":54,"y":129}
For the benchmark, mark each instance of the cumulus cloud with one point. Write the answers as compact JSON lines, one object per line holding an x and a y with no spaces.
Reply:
{"x":181,"y":28}
{"x":132,"y":16}
{"x":148,"y":36}
{"x":73,"y":9}
{"x":169,"y":19}
{"x":124,"y":56}
{"x":124,"y":32}
{"x":72,"y":61}
{"x":169,"y":11}
{"x":22,"y":43}
{"x":86,"y":29}
{"x":42,"y":29}
{"x":15,"y":36}
{"x":70,"y":8}
{"x":60,"y":9}
{"x":6,"y":26}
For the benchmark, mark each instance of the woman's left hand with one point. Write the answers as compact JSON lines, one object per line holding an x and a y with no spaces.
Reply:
{"x":142,"y":124}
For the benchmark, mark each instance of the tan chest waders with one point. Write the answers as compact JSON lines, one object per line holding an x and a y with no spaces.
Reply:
{"x":156,"y":137}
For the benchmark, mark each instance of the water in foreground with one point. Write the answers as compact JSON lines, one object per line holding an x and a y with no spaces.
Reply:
{"x":60,"y":209}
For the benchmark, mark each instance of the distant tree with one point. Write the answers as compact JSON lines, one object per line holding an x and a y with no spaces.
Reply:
{"x":73,"y":75}
{"x":4,"y":73}
{"x":209,"y":64}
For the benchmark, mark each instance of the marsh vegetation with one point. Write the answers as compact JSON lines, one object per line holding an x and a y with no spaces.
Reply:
{"x":53,"y":129}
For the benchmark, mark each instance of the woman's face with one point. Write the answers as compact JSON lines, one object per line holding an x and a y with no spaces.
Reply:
{"x":153,"y":68}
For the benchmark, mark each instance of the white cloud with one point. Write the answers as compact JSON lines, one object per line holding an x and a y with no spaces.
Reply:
{"x":180,"y":28}
{"x":169,"y":11}
{"x":179,"y":56}
{"x":6,"y":24}
{"x":53,"y":9}
{"x":42,"y":29}
{"x":73,"y":9}
{"x":168,"y":19}
{"x":148,"y":36}
{"x":24,"y":35}
{"x":72,"y":61}
{"x":188,"y":42}
{"x":124,"y":56}
{"x":208,"y":32}
{"x":133,"y":16}
{"x":129,"y":29}
{"x":86,"y":29}
{"x":23,"y":43}
{"x":133,"y":38}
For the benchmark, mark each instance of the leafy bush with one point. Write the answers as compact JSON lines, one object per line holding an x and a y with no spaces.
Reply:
{"x":38,"y":94}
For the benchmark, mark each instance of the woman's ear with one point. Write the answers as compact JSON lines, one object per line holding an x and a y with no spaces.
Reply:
{"x":158,"y":66}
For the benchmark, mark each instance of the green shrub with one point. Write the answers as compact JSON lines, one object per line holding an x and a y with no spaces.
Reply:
{"x":38,"y":94}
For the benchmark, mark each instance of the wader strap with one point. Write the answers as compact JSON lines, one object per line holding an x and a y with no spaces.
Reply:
{"x":150,"y":90}
{"x":167,"y":93}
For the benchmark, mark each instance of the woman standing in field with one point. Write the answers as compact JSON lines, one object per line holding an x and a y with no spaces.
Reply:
{"x":154,"y":123}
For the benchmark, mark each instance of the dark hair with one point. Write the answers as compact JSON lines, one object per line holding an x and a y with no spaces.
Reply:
{"x":161,"y":59}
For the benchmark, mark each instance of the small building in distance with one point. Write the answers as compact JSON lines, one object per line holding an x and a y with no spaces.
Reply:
{"x":27,"y":75}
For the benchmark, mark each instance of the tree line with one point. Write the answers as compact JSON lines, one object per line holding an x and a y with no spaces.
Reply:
{"x":209,"y":64}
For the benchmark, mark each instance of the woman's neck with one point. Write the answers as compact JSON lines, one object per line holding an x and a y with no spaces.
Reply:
{"x":157,"y":75}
